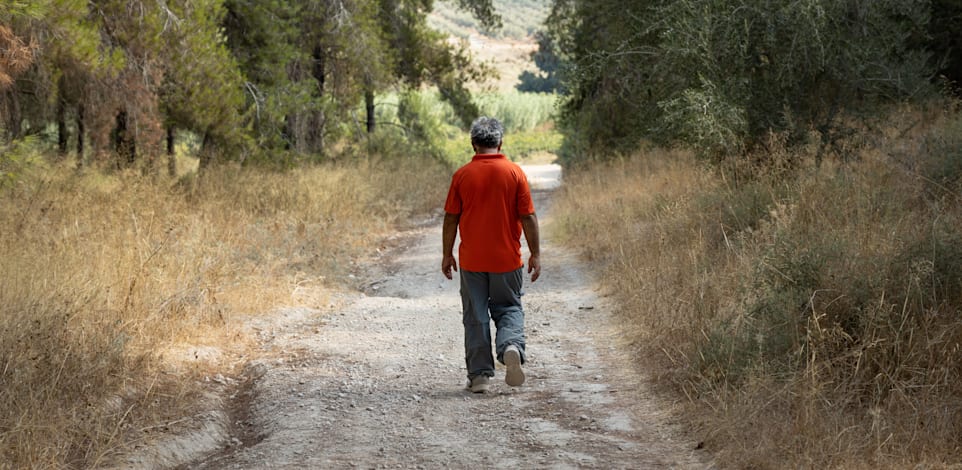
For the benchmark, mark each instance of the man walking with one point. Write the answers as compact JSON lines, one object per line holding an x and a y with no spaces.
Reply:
{"x":490,"y":202}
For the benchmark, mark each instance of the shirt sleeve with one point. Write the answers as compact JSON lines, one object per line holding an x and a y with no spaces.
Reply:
{"x":525,"y":204}
{"x":452,"y":205}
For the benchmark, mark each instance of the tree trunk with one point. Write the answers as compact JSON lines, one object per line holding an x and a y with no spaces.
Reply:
{"x":171,"y":158}
{"x":14,"y":118}
{"x":124,"y":143}
{"x":369,"y":106}
{"x":317,"y":121}
{"x":62,"y":133}
{"x":206,"y":152}
{"x":316,"y":132}
{"x":290,"y":133}
{"x":318,"y":69}
{"x":80,"y":135}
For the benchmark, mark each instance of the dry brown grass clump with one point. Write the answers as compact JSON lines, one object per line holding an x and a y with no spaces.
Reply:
{"x":102,"y":273}
{"x":812,"y":316}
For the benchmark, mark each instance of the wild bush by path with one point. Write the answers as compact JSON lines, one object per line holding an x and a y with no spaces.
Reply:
{"x":812,"y":318}
{"x":101,"y":274}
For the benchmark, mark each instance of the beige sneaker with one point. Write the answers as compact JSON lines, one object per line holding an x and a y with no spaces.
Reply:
{"x":479,"y":384}
{"x":512,"y":360}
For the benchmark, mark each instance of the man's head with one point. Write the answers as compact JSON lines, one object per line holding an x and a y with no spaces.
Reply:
{"x":486,"y":133}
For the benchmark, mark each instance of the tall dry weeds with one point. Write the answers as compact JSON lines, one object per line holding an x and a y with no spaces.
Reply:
{"x":101,"y":274}
{"x":812,"y":317}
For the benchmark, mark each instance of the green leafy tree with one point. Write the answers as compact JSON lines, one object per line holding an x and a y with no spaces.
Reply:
{"x":424,"y":55}
{"x":44,"y":41}
{"x":307,"y":65}
{"x":203,"y":89}
{"x":721,"y":74}
{"x":248,"y":77}
{"x":483,"y":11}
{"x":548,"y":79}
{"x":945,"y":40}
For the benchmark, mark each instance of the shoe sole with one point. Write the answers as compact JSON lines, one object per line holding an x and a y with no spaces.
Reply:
{"x":514,"y":376}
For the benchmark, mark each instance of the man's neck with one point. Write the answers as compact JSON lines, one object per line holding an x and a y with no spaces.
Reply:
{"x":486,"y":150}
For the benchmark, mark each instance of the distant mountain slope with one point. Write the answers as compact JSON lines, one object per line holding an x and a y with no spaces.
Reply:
{"x":507,"y":50}
{"x":521,"y":19}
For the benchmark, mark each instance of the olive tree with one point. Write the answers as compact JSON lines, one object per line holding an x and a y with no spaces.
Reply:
{"x":719,"y":75}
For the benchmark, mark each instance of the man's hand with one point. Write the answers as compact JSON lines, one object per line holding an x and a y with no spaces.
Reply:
{"x":534,"y":267}
{"x":447,"y":264}
{"x":448,"y":233}
{"x":529,"y":224}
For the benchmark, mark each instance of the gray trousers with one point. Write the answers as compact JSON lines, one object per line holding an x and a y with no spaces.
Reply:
{"x":499,"y":293}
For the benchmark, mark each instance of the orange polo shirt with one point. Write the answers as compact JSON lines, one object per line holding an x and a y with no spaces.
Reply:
{"x":491,"y":194}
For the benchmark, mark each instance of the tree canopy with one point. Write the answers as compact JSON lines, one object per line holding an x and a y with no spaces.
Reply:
{"x":720,"y":75}
{"x":250,"y":78}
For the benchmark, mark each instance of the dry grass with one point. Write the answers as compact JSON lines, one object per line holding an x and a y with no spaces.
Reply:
{"x":812,"y":317}
{"x":101,"y":274}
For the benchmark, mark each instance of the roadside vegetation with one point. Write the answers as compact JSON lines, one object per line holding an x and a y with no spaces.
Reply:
{"x":167,"y":168}
{"x":145,"y":218}
{"x":776,"y":207}
{"x":432,"y":125}
{"x":808,"y":316}
{"x":106,"y":275}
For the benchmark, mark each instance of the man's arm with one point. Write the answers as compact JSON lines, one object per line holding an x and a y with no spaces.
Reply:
{"x":448,"y":234}
{"x":529,"y":223}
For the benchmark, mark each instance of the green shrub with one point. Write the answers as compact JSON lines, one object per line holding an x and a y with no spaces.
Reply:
{"x":926,"y":274}
{"x":15,"y":158}
{"x":730,"y":212}
{"x":821,"y":305}
{"x":719,"y":75}
{"x":429,"y":125}
{"x":518,"y":111}
{"x":944,"y":165}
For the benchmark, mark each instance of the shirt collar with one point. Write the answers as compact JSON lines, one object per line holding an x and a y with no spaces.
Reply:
{"x":487,"y":156}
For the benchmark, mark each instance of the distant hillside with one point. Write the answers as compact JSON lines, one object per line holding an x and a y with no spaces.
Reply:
{"x":509,"y":49}
{"x":521,"y":19}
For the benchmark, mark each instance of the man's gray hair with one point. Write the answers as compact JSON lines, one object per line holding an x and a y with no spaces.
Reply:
{"x":486,"y":132}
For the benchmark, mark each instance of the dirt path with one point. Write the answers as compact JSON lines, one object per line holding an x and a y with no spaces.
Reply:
{"x":377,"y":379}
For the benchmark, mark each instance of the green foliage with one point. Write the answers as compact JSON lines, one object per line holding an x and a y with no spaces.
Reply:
{"x":944,"y":40}
{"x":944,"y":168}
{"x":704,"y":118}
{"x":305,"y":64}
{"x":255,"y":79}
{"x":419,"y":120}
{"x":484,"y":12}
{"x":735,"y":210}
{"x":720,"y":75}
{"x":23,"y":9}
{"x":820,"y":278}
{"x":814,"y":303}
{"x":199,"y":56}
{"x":548,"y":79}
{"x":67,"y":45}
{"x":16,"y":157}
{"x":426,"y":121}
{"x":927,"y":272}
{"x":527,"y":143}
{"x":450,"y":76}
{"x":518,"y":111}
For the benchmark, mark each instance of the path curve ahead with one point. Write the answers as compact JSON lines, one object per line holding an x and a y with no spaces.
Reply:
{"x":376,"y":380}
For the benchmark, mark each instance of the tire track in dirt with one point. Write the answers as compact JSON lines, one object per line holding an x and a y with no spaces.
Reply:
{"x":376,"y":380}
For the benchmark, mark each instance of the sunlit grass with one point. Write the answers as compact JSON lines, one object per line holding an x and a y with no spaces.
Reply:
{"x":809,"y":316}
{"x":103,"y":275}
